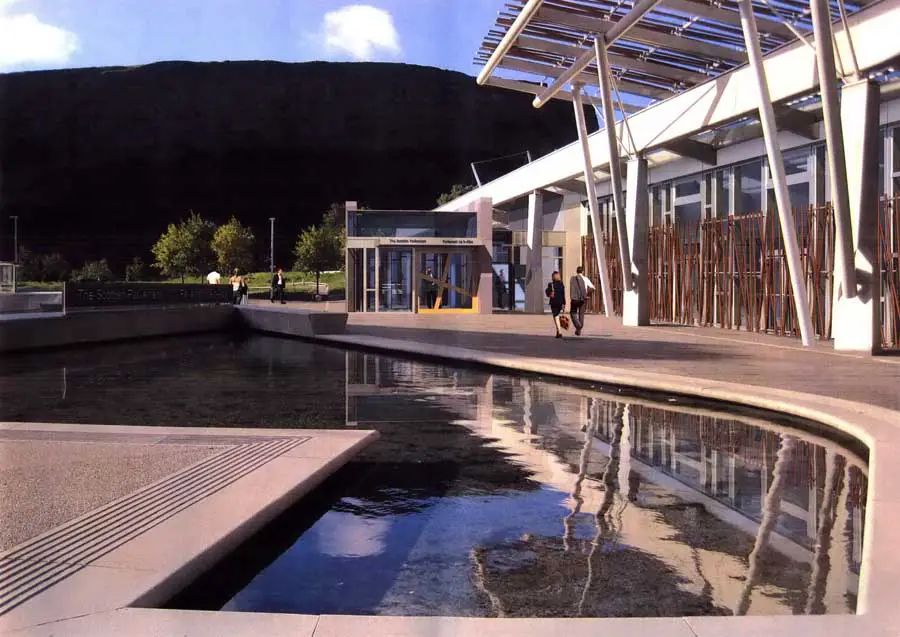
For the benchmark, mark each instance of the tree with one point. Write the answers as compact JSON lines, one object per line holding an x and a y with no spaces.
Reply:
{"x":185,"y":248}
{"x":94,"y":271}
{"x":456,"y":191}
{"x":321,"y":247}
{"x":135,"y":270}
{"x":233,"y":245}
{"x":29,"y":266}
{"x":55,"y":267}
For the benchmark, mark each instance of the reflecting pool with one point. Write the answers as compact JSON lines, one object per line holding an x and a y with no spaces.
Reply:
{"x":490,"y":494}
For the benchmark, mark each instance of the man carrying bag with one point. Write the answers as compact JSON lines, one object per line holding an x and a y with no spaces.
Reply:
{"x":578,"y":291}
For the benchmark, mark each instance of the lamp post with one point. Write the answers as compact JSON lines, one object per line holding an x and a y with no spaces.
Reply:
{"x":271,"y":245}
{"x":15,"y":220}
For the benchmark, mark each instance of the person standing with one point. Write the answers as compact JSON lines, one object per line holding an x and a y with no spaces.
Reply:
{"x":278,"y":283}
{"x":237,"y":286}
{"x":579,"y":285}
{"x":556,"y":291}
{"x":430,"y":289}
{"x":213,"y":278}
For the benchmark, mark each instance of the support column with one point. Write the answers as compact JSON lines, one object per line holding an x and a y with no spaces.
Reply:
{"x":843,"y":262}
{"x":857,"y":320}
{"x":636,"y":301}
{"x":615,"y":176}
{"x":599,"y":249}
{"x":534,"y":275}
{"x":484,"y":210}
{"x":776,"y":166}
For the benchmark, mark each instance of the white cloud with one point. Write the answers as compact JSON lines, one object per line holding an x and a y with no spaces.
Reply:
{"x":26,"y":41}
{"x":361,"y":32}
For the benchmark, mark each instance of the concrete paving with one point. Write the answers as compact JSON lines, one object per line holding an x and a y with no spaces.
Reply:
{"x":127,"y":516}
{"x":704,"y":353}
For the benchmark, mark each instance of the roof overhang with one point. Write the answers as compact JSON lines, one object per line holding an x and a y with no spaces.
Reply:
{"x":724,"y":100}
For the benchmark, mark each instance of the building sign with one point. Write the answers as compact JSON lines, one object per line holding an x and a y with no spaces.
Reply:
{"x":429,"y":241}
{"x":82,"y":295}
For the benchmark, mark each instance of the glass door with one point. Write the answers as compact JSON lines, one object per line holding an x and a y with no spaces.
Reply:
{"x":445,"y":280}
{"x":395,"y":274}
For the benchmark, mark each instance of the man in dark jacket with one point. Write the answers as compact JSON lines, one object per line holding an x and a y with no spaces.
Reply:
{"x":278,"y":283}
{"x":578,"y":291}
{"x":556,"y":291}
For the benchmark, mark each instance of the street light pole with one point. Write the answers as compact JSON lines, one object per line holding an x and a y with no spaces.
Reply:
{"x":271,"y":245}
{"x":15,"y":219}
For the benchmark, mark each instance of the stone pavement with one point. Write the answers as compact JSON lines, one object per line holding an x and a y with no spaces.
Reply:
{"x":101,"y":517}
{"x":703,"y":353}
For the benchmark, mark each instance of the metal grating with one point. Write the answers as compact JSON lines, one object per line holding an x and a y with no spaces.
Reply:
{"x":675,"y":46}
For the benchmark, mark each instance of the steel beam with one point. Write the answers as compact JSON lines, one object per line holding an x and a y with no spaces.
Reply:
{"x":623,"y":25}
{"x":834,"y":143}
{"x":627,"y":21}
{"x":593,"y":206}
{"x":533,"y":89}
{"x":618,"y":59}
{"x":799,"y":122}
{"x":525,"y":15}
{"x":546,"y":70}
{"x":712,"y":12}
{"x":776,"y":166}
{"x":615,"y":174}
{"x":693,"y":149}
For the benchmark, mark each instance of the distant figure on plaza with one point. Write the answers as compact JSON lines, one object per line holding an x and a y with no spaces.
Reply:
{"x":214,"y":278}
{"x":579,"y":286}
{"x":237,"y":287}
{"x":556,"y":292}
{"x":429,"y":287}
{"x":278,"y":283}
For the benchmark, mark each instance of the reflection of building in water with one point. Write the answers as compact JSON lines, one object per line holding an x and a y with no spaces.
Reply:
{"x":744,"y":515}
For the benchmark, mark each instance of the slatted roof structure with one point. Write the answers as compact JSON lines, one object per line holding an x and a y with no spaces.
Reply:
{"x":672,"y":47}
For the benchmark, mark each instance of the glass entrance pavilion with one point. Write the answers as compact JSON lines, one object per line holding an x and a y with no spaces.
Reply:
{"x":419,"y":261}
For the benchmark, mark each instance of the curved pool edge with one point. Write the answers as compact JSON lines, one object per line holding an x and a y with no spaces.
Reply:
{"x":876,"y":427}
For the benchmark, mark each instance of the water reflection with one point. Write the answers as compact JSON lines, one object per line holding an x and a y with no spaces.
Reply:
{"x":665,"y":509}
{"x":495,"y":495}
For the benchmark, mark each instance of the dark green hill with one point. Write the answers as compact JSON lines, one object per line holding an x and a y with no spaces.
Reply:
{"x":96,"y":162}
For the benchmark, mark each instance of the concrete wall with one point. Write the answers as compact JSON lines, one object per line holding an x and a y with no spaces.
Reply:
{"x":57,"y":330}
{"x":290,"y":322}
{"x":29,"y":301}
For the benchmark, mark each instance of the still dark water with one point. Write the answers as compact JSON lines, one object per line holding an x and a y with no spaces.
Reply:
{"x":489,"y":494}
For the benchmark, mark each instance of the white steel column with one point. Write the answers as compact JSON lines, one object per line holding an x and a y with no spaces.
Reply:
{"x":636,"y":301}
{"x":615,"y":172}
{"x":599,"y":250}
{"x":776,"y":165}
{"x":857,"y":321}
{"x":843,"y":263}
{"x":534,"y":275}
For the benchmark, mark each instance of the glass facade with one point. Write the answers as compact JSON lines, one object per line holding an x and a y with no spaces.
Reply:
{"x":390,"y":223}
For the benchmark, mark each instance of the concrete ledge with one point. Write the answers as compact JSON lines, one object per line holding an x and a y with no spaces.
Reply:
{"x":19,"y":333}
{"x":29,"y":301}
{"x":141,"y":549}
{"x":290,"y":321}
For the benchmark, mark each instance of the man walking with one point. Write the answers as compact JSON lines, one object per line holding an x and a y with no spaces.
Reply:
{"x":578,"y":291}
{"x":278,"y":283}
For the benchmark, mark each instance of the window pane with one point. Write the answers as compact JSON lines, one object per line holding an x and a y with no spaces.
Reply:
{"x":687,"y":187}
{"x":723,"y":203}
{"x":795,"y":161}
{"x":896,"y":132}
{"x":750,"y":183}
{"x":414,"y":224}
{"x":687,"y":213}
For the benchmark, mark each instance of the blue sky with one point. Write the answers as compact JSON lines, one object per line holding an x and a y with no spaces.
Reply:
{"x":51,"y":34}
